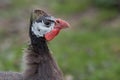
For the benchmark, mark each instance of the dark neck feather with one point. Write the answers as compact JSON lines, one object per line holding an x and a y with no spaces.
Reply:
{"x":39,"y":45}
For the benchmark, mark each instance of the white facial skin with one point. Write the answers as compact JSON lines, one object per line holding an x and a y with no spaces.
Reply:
{"x":40,"y":28}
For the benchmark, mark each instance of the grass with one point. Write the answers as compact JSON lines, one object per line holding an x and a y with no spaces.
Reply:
{"x":70,"y":6}
{"x":101,"y":17}
{"x":10,"y":56}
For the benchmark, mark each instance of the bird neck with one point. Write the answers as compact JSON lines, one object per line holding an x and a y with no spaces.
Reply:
{"x":40,"y":63}
{"x":39,"y":45}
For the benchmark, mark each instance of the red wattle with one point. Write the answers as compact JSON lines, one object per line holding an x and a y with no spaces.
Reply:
{"x":50,"y":35}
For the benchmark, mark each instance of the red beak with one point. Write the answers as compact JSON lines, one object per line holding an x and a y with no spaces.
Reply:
{"x":59,"y":24}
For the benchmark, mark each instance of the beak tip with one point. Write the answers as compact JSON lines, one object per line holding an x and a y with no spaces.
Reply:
{"x":63,"y":23}
{"x":68,"y":25}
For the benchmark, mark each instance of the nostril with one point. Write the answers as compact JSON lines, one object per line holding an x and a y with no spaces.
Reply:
{"x":57,"y":21}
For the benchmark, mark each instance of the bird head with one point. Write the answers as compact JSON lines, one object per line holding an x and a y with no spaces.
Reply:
{"x":46,"y":26}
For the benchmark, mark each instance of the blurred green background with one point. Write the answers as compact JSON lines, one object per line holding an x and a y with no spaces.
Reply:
{"x":89,"y":50}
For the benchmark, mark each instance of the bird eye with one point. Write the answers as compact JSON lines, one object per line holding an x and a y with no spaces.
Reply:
{"x":47,"y":23}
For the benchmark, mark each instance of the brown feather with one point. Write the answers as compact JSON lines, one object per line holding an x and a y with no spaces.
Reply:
{"x":38,"y":13}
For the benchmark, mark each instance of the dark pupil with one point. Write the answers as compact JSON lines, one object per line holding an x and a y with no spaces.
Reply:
{"x":47,"y":23}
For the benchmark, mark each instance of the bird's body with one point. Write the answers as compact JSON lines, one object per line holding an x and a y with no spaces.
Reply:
{"x":40,"y":63}
{"x":11,"y":76}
